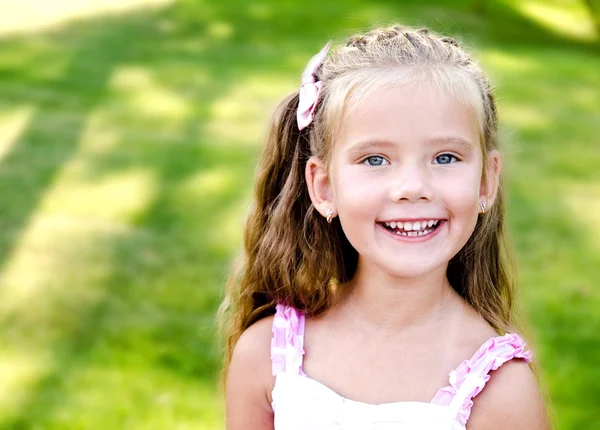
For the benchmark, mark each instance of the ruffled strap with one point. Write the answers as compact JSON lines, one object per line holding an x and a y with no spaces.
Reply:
{"x":287,"y":340}
{"x":471,"y":376}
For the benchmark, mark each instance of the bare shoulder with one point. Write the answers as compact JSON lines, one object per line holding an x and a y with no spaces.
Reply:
{"x":250,"y":380}
{"x":511,"y":399}
{"x":253,"y":349}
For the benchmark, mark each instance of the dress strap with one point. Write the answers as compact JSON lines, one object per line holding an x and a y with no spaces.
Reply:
{"x":287,"y":340}
{"x":471,"y":376}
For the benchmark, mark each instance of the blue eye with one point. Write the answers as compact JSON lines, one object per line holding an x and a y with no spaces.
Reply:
{"x":445,"y":158}
{"x":374,"y":160}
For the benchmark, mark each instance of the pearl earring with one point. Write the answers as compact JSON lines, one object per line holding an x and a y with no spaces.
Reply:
{"x":329,"y":215}
{"x":482,"y":207}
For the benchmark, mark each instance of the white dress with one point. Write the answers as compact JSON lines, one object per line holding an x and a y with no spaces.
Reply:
{"x":302,"y":403}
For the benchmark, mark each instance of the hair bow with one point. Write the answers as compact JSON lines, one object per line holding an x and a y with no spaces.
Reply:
{"x":310,"y":90}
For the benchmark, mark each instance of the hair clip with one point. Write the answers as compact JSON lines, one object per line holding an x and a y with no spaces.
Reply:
{"x":310,"y":89}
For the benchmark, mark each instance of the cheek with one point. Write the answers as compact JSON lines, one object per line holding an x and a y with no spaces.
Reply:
{"x":464,"y":200}
{"x":463,"y":188}
{"x":357,"y":193}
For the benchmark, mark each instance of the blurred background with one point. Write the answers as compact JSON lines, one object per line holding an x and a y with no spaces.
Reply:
{"x":129,"y":133}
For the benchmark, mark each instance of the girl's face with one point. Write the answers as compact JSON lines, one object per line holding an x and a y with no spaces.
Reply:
{"x":405,"y":179}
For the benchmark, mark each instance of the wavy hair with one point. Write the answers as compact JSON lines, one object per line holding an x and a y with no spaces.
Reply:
{"x":291,"y":255}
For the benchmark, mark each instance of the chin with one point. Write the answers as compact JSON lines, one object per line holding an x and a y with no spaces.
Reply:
{"x":410,"y":271}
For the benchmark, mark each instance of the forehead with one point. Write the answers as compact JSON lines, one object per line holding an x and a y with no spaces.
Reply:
{"x":410,"y":114}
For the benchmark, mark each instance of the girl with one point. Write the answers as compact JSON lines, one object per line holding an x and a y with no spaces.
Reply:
{"x":376,"y":263}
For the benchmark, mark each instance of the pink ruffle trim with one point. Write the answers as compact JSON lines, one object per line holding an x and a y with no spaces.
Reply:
{"x":287,"y":341}
{"x":468,"y":379}
{"x":492,"y":354}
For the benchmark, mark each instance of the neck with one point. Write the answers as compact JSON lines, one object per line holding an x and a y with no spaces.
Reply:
{"x":397,"y":304}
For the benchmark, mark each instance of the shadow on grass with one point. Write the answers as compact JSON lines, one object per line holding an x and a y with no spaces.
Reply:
{"x":561,"y":297}
{"x":154,"y":307}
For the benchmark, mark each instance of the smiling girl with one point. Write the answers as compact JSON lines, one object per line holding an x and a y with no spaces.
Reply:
{"x":377,"y":290}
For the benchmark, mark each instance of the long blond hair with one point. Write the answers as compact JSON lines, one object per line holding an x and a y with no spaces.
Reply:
{"x":292,"y":255}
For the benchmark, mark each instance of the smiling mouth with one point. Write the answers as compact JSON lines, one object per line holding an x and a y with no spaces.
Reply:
{"x":412,"y":229}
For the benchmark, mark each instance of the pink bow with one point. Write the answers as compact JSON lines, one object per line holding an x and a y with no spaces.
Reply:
{"x":310,"y":90}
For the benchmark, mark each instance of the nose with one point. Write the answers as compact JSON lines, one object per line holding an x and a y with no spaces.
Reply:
{"x":411,"y":183}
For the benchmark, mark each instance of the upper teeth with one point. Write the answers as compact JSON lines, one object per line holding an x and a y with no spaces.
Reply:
{"x":412,"y":226}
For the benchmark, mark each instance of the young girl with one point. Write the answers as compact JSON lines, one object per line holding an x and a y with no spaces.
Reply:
{"x":377,"y":289}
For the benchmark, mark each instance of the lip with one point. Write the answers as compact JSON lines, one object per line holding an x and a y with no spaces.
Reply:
{"x":413,"y":239}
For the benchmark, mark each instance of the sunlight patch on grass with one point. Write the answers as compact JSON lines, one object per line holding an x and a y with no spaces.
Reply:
{"x":99,"y":134}
{"x":12,"y":125}
{"x":207,"y":183}
{"x":211,"y":185}
{"x":572,"y":22}
{"x":147,"y":97}
{"x":71,"y":225}
{"x":583,"y":202}
{"x":26,"y":16}
{"x":506,"y":61}
{"x":120,"y":197}
{"x":524,"y":116}
{"x":228,"y":235}
{"x":260,"y":11}
{"x":586,"y":99}
{"x":47,"y":278}
{"x":220,"y":30}
{"x":141,"y":398}
{"x":241,"y":116}
{"x":19,"y":372}
{"x":370,"y":13}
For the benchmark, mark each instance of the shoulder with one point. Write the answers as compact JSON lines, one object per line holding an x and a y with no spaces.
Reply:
{"x":511,"y":399}
{"x":250,"y":380}
{"x":254,"y":345}
{"x":251,"y":358}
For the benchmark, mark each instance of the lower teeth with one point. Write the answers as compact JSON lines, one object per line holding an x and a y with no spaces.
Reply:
{"x":414,"y":233}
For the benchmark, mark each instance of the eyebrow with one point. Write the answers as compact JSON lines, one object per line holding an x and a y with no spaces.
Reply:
{"x":368,"y":144}
{"x":464,"y":144}
{"x":364,"y":145}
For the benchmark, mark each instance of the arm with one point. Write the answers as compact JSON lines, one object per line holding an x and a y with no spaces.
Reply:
{"x":250,"y":380}
{"x":511,"y":399}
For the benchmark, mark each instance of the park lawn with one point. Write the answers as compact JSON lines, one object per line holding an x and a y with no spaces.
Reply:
{"x":127,"y":150}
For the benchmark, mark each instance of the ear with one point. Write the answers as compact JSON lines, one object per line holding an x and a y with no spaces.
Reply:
{"x":319,"y":186}
{"x":489,"y":188}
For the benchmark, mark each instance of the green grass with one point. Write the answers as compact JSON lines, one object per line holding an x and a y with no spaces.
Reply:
{"x":127,"y":149}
